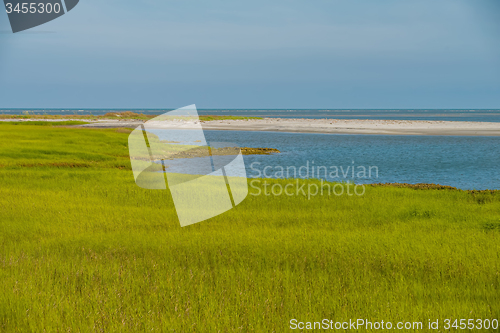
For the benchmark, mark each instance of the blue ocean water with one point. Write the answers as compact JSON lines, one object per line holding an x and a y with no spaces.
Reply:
{"x":465,"y":162}
{"x":403,"y":114}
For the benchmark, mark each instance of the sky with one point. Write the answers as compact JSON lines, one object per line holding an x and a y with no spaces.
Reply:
{"x":285,"y":54}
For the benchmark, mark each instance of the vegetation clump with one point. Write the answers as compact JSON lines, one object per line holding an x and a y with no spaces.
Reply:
{"x":259,"y":151}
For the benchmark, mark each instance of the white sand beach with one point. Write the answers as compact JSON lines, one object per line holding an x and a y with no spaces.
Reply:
{"x":325,"y":126}
{"x":332,"y":126}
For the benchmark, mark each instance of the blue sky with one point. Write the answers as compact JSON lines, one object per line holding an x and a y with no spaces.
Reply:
{"x":257,"y":54}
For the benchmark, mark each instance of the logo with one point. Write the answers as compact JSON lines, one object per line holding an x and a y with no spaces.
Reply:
{"x":205,"y":179}
{"x":25,"y":15}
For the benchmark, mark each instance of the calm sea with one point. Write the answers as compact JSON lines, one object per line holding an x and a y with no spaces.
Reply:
{"x":460,"y":161}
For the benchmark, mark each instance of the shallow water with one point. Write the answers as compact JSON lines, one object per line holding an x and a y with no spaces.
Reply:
{"x":461,"y":161}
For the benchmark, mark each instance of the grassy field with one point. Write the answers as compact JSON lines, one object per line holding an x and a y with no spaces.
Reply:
{"x":84,"y":249}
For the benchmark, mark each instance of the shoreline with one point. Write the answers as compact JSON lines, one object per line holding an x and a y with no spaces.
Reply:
{"x":353,"y":126}
{"x":305,"y":125}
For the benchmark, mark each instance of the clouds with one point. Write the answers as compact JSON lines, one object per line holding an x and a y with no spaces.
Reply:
{"x":357,"y":53}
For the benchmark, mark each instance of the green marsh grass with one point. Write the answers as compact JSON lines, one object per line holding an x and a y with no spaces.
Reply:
{"x":84,"y":249}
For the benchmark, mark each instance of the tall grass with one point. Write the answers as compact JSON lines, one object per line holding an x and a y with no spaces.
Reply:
{"x":85,"y":249}
{"x":27,"y":145}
